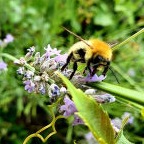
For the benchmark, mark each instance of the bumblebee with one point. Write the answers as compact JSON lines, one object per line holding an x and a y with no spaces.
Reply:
{"x":94,"y":52}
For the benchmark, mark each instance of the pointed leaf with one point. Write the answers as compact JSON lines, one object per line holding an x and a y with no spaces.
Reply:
{"x":92,"y":114}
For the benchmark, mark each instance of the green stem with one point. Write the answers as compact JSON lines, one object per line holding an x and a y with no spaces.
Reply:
{"x":136,"y":106}
{"x":127,"y":77}
{"x":128,"y":39}
{"x":132,"y":95}
{"x":30,"y":67}
{"x":10,"y":57}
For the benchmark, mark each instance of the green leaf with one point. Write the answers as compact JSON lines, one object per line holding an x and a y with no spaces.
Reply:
{"x":142,"y":112}
{"x":129,"y":94}
{"x":92,"y":114}
{"x":103,"y":19}
{"x":122,"y":139}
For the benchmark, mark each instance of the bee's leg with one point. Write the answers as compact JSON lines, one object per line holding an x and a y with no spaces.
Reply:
{"x":94,"y":70}
{"x":84,"y":70}
{"x":106,"y":69}
{"x":74,"y":69}
{"x":67,"y":62}
{"x":88,"y":67}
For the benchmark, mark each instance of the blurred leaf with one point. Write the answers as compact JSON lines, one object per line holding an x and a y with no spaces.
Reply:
{"x":122,"y":140}
{"x":142,"y":112}
{"x":103,"y":19}
{"x":20,"y":106}
{"x":27,"y":109}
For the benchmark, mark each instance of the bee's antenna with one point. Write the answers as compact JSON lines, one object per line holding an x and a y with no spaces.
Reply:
{"x":114,"y":75}
{"x":77,"y":37}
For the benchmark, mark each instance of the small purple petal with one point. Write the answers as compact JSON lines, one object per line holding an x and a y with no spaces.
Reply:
{"x":55,"y":51}
{"x":29,"y":86}
{"x":68,"y":108}
{"x":20,"y":71}
{"x":42,"y":89}
{"x":61,"y":58}
{"x":95,"y":78}
{"x":3,"y":65}
{"x":50,"y":52}
{"x":29,"y":74}
{"x":77,"y":120}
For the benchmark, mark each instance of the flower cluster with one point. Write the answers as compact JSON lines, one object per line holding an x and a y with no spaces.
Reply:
{"x":38,"y":71}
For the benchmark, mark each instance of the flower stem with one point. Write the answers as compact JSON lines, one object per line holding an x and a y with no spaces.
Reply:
{"x":128,"y":39}
{"x":10,"y":57}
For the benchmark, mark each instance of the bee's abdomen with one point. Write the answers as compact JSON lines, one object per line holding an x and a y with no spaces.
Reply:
{"x":81,"y":52}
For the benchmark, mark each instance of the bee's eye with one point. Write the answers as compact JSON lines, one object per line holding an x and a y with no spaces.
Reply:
{"x":99,"y":59}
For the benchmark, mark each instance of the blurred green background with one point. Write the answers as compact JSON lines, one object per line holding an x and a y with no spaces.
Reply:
{"x":38,"y":23}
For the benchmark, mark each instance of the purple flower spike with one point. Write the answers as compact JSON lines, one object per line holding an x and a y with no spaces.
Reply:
{"x":29,"y":86}
{"x":3,"y":65}
{"x":68,"y":108}
{"x":9,"y":38}
{"x":95,"y":78}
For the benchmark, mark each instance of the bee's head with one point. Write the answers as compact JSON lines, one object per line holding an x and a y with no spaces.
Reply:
{"x":100,"y":61}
